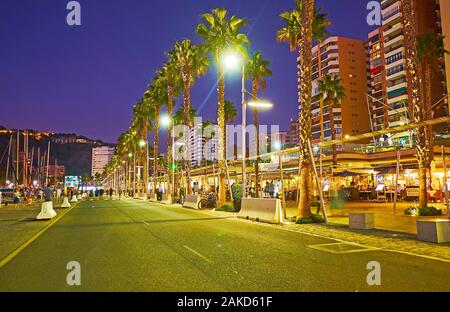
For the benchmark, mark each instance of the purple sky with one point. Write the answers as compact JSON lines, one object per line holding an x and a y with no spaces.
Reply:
{"x":85,"y":79}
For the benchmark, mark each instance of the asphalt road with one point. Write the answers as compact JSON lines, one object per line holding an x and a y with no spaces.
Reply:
{"x":138,"y":246}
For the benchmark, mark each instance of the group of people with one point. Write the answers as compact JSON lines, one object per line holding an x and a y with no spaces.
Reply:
{"x":28,"y":195}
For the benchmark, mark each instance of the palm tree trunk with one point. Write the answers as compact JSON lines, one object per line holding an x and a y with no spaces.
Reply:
{"x":428,"y":110}
{"x":333,"y":132}
{"x":416,"y":106}
{"x":145,"y":156}
{"x":256,"y":121}
{"x":170,"y":168}
{"x":187,"y":123}
{"x":156,"y":146}
{"x":221,"y":126}
{"x":305,"y":88}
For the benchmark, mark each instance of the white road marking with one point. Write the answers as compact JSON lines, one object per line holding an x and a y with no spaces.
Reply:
{"x":198,"y":254}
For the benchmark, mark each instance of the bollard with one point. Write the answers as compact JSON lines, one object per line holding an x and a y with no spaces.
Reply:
{"x":47,"y":212}
{"x":65,"y":203}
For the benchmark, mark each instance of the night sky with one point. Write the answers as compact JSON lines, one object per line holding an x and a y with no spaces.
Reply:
{"x":85,"y":79}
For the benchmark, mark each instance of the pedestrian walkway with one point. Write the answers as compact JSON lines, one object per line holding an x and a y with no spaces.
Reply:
{"x":385,"y":217}
{"x":399,"y":242}
{"x":389,"y":241}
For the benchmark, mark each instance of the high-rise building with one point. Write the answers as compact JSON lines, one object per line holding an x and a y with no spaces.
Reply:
{"x":101,"y":156}
{"x":293,"y":137}
{"x":389,"y":88}
{"x":444,"y":21}
{"x":269,"y":142}
{"x":200,"y":147}
{"x":346,"y":58}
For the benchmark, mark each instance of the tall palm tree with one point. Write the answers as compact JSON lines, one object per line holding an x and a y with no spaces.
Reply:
{"x":333,"y":92}
{"x":430,"y":49}
{"x":220,"y":33}
{"x":206,"y":124}
{"x":141,"y":124}
{"x":417,"y":109}
{"x":156,"y":97}
{"x":257,"y":70}
{"x":192,"y":63}
{"x":230,"y":116}
{"x":173,"y":80}
{"x":299,"y":31}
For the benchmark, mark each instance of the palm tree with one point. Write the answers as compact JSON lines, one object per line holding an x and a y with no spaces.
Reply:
{"x":333,"y":92}
{"x":417,"y":109}
{"x":192,"y":63}
{"x":220,"y":33}
{"x":257,"y":70}
{"x":156,"y":97}
{"x":230,"y":116}
{"x":173,"y":80}
{"x":299,"y":28}
{"x":141,"y":124}
{"x":430,"y":49}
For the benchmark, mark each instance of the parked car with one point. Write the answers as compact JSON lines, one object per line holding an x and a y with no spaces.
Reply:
{"x":6,"y":196}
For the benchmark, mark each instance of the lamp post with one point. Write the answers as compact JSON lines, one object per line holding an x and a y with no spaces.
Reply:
{"x":231,"y":61}
{"x":167,"y":121}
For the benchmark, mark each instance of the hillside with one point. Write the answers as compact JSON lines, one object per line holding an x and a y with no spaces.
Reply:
{"x":70,"y":150}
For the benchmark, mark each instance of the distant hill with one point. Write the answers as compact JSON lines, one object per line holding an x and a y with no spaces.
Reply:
{"x":71,"y":150}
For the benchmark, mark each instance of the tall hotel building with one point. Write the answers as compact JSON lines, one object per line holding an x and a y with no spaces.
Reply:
{"x":444,"y":22}
{"x":388,"y":86}
{"x":345,"y":58}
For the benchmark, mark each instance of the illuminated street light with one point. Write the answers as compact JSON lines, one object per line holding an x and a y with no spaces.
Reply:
{"x":165,"y":121}
{"x":130,"y":155}
{"x":260,"y":105}
{"x":231,"y":61}
{"x":277,"y":146}
{"x":142,"y":143}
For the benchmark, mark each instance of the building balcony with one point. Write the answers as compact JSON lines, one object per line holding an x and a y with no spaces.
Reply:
{"x":394,"y":43}
{"x":392,"y":18}
{"x":401,"y":110}
{"x":403,"y":86}
{"x":392,"y":76}
{"x":397,"y":99}
{"x":393,"y":52}
{"x":396,"y":28}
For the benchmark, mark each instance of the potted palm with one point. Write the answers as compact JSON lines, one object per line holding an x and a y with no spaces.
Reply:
{"x":237,"y":191}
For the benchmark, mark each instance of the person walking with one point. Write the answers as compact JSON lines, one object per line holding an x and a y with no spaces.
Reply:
{"x":271,"y":189}
{"x":16,"y":198}
{"x":48,"y":193}
{"x":110,"y":193}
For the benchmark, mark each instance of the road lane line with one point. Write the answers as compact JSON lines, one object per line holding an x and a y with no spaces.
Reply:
{"x":22,"y":245}
{"x":198,"y":254}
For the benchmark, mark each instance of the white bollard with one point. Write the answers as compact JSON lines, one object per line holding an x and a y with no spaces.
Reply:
{"x":65,"y":203}
{"x":74,"y":199}
{"x":47,"y":212}
{"x":79,"y":197}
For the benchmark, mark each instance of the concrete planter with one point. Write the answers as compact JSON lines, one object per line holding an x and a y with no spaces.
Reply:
{"x":362,"y":221}
{"x":433,"y":231}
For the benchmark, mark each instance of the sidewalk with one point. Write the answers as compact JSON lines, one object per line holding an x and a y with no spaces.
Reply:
{"x":385,"y":240}
{"x":385,"y":218}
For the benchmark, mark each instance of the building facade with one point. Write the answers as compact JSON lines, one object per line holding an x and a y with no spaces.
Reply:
{"x":346,"y":58}
{"x":444,"y":21}
{"x":101,"y":156}
{"x":389,"y":89}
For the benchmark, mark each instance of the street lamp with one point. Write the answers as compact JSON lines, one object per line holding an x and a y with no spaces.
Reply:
{"x":166,"y":121}
{"x":231,"y":60}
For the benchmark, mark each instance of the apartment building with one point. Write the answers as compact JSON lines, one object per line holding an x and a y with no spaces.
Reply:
{"x":345,"y":58}
{"x":200,"y":147}
{"x":389,"y":89}
{"x":444,"y":23}
{"x":101,"y":156}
